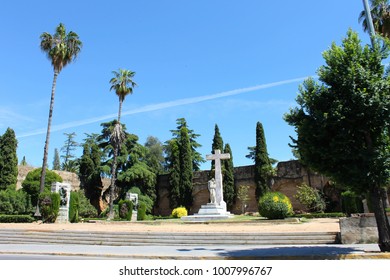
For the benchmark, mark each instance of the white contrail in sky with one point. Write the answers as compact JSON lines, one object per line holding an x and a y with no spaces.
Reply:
{"x":164,"y":105}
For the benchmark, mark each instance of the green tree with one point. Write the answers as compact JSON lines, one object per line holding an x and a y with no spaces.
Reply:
{"x":263,"y":167}
{"x":70,"y":145}
{"x":342,"y":123}
{"x":23,"y":161}
{"x":56,"y":160}
{"x":380,"y":13}
{"x":90,"y":174}
{"x":217,"y":144}
{"x":174,"y":174}
{"x":197,"y":158}
{"x":122,"y":83}
{"x":8,"y":159}
{"x":154,"y":157}
{"x":229,"y":192}
{"x":61,"y":49}
{"x":31,"y":183}
{"x":186,"y":168}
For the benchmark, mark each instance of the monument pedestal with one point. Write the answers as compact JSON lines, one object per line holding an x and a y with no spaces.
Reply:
{"x":208,"y":212}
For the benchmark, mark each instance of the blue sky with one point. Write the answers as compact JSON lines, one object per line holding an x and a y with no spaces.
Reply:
{"x":230,"y":63}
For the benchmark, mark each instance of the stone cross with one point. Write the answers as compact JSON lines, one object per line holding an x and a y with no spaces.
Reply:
{"x":217,"y":156}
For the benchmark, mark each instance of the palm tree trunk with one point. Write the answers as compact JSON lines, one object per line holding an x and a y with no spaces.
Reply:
{"x":111,"y":214}
{"x":46,"y":148}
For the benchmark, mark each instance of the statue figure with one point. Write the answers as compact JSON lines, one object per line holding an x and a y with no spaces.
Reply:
{"x":212,"y":189}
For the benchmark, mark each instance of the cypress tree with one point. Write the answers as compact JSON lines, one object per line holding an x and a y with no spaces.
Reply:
{"x":217,"y":144}
{"x":228,"y":179}
{"x":197,"y":158}
{"x":8,"y":159}
{"x":56,"y":160}
{"x":263,"y":166}
{"x":185,"y":168}
{"x":174,"y":175}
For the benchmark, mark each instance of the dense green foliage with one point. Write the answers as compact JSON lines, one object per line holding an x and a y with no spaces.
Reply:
{"x":179,"y":212}
{"x":275,"y":205}
{"x":31,"y":183}
{"x":8,"y":159}
{"x":13,"y":202}
{"x":310,"y":198}
{"x":49,"y":205}
{"x":125,"y":209}
{"x":86,"y":210}
{"x":16,"y":219}
{"x":216,"y":145}
{"x":351,"y":203}
{"x":343,"y":122}
{"x":229,"y":192}
{"x":90,"y":173}
{"x":186,"y":174}
{"x":141,"y":212}
{"x":174,"y":175}
{"x":74,"y":207}
{"x":263,"y":167}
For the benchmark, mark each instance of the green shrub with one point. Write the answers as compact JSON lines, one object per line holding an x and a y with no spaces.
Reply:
{"x":16,"y":219}
{"x":49,"y":206}
{"x":310,"y":198}
{"x":125,"y":209}
{"x":275,"y":205}
{"x":179,"y":212}
{"x":32,"y":181}
{"x":320,"y":215}
{"x":74,"y":205}
{"x":13,"y":202}
{"x":351,"y":203}
{"x":141,"y":213}
{"x":86,"y":210}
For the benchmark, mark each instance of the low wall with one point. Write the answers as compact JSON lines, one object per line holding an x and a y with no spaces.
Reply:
{"x":359,"y":230}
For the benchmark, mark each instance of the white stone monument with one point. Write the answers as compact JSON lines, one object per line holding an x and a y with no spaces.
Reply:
{"x":216,"y":209}
{"x":133,"y":197}
{"x":64,"y":190}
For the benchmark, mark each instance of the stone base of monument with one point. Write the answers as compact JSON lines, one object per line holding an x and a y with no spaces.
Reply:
{"x":63,"y":216}
{"x":209,"y":212}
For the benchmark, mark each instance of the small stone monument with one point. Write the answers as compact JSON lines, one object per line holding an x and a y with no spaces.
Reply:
{"x":64,"y":190}
{"x":216,"y":209}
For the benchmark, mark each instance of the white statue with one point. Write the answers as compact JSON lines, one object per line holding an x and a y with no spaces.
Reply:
{"x":212,"y":187}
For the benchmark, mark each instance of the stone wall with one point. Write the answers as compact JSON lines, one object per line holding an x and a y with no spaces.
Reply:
{"x":290,"y":174}
{"x":66,"y":176}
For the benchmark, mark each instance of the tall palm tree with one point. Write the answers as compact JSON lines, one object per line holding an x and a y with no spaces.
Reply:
{"x":61,"y":49}
{"x":380,"y":13}
{"x":123,"y":85}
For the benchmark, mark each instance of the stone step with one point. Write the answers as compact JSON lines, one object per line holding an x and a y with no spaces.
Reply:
{"x":148,"y":238}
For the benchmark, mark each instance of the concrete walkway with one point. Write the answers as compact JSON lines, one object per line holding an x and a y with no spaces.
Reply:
{"x":212,"y":252}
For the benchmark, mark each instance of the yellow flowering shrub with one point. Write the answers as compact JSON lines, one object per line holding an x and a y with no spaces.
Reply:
{"x":179,"y":212}
{"x":275,"y":205}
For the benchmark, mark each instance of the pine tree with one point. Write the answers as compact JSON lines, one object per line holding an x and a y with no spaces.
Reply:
{"x":185,"y":168}
{"x":8,"y":159}
{"x":56,"y":160}
{"x":69,"y":147}
{"x":263,"y":168}
{"x":228,"y":179}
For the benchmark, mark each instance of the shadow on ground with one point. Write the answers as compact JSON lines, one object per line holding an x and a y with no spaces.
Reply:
{"x":283,"y":252}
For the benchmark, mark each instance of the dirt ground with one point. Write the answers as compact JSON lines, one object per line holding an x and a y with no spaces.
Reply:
{"x":312,"y":225}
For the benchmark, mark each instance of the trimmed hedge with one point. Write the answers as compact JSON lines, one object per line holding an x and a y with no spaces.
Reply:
{"x":351,"y":203}
{"x":16,"y":219}
{"x":74,"y":205}
{"x":125,"y":208}
{"x":49,"y":206}
{"x":141,"y":213}
{"x":320,"y":215}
